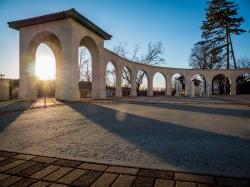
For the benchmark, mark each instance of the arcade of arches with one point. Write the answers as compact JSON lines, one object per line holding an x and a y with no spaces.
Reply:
{"x":66,"y":31}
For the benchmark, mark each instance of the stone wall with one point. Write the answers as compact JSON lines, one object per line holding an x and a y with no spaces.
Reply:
{"x":4,"y":89}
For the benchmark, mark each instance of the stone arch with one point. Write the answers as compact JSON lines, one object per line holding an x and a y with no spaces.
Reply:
{"x":178,"y":84}
{"x":221,"y":85}
{"x":242,"y":83}
{"x":141,"y":74}
{"x":111,"y":90}
{"x":126,"y":78}
{"x":162,"y":91}
{"x":91,"y":45}
{"x":84,"y":72}
{"x":27,"y":64}
{"x":199,"y":85}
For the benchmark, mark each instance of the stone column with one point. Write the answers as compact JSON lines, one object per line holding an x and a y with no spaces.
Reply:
{"x":4,"y":87}
{"x":133,"y":84}
{"x":67,"y":87}
{"x":209,"y":88}
{"x":188,"y":87}
{"x":27,"y":80}
{"x":168,"y":86}
{"x":98,"y":73}
{"x":150,"y":85}
{"x":192,"y":89}
{"x":118,"y":86}
{"x":233,"y":86}
{"x":233,"y":90}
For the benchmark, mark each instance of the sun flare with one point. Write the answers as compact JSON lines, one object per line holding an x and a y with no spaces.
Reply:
{"x":45,"y":63}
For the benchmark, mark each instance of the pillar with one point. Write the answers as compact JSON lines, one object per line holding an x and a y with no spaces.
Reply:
{"x":209,"y":88}
{"x":67,"y":77}
{"x":168,"y":86}
{"x":4,"y":87}
{"x":27,"y":89}
{"x":188,"y":87}
{"x":233,"y":89}
{"x":118,"y":86}
{"x":150,"y":85}
{"x":133,"y":84}
{"x":233,"y":85}
{"x":98,"y":75}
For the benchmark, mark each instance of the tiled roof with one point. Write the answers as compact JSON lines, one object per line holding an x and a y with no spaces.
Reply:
{"x":71,"y":13}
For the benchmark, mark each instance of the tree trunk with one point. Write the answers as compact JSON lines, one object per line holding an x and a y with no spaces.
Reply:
{"x":232,"y":50}
{"x":227,"y":42}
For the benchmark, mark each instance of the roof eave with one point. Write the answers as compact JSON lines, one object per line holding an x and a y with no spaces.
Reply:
{"x":72,"y":13}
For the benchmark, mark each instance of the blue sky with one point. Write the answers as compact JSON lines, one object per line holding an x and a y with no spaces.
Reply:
{"x":175,"y":23}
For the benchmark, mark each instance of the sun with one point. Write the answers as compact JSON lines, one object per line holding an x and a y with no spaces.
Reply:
{"x":45,"y":63}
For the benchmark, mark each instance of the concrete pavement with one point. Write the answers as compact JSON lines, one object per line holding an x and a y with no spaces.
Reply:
{"x":208,"y":136}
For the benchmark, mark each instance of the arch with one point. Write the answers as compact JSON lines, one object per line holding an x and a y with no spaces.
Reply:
{"x":142,"y":83}
{"x":178,"y":85}
{"x":199,"y":85}
{"x":92,"y":47}
{"x":48,"y":38}
{"x":126,"y":81}
{"x":110,"y":77}
{"x":243,"y":84}
{"x":45,"y":70}
{"x":52,"y":41}
{"x":221,"y":85}
{"x":84,"y":71}
{"x":159,"y":84}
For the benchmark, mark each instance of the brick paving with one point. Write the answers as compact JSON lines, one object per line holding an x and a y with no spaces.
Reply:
{"x":18,"y":169}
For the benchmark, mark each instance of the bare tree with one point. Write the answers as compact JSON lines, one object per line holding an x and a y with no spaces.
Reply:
{"x":110,"y":77}
{"x":152,"y":56}
{"x":202,"y":58}
{"x":243,"y":62}
{"x":84,"y":69}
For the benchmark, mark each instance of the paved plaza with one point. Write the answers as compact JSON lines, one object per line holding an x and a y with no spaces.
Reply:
{"x":209,"y":136}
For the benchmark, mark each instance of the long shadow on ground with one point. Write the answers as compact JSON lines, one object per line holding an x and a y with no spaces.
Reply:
{"x":188,"y":149}
{"x":14,"y":110}
{"x":198,"y":109}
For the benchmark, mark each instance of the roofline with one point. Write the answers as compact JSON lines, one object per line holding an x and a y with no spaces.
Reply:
{"x":71,"y":13}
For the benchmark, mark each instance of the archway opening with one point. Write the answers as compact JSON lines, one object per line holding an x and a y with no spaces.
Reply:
{"x":199,"y":85}
{"x":221,"y":85}
{"x":243,"y":84}
{"x":159,"y":84}
{"x":45,"y":71}
{"x":141,"y":83}
{"x":126,"y":81}
{"x":84,"y":72}
{"x":91,"y":66}
{"x":110,"y":79}
{"x":178,"y":85}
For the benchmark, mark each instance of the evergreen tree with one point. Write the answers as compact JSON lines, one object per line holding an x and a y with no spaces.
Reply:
{"x":221,"y":21}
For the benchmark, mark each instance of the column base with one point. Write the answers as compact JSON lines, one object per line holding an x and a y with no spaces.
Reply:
{"x":133,"y":93}
{"x":27,"y":95}
{"x":118,"y":93}
{"x":98,"y":94}
{"x":68,"y":95}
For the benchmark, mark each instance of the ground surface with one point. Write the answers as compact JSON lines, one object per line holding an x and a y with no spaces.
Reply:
{"x":200,"y":135}
{"x":37,"y":171}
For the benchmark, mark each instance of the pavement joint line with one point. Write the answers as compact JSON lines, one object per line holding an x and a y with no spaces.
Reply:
{"x":153,"y":179}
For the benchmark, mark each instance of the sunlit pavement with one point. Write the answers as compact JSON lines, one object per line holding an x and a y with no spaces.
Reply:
{"x":200,"y":135}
